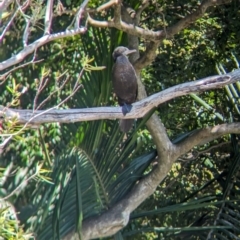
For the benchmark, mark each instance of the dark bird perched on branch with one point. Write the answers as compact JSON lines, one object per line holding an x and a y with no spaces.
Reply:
{"x":124,"y":84}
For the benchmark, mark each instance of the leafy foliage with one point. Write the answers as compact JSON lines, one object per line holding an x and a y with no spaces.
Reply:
{"x":87,"y":167}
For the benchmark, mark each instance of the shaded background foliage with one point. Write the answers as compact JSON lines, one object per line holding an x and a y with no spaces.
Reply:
{"x":90,"y":167}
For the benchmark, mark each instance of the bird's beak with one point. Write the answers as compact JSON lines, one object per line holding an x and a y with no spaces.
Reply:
{"x":130,"y":51}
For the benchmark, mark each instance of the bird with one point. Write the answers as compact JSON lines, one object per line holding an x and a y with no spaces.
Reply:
{"x":124,"y":83}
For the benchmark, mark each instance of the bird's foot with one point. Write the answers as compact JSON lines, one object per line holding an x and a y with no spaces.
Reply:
{"x":126,"y":108}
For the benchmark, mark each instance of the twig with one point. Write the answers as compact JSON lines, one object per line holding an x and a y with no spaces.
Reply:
{"x":4,"y":4}
{"x":128,"y":28}
{"x":5,"y":75}
{"x":3,"y":144}
{"x":196,"y":154}
{"x":8,"y":25}
{"x":142,"y":7}
{"x":22,"y":8}
{"x":26,"y":33}
{"x":19,"y":186}
{"x":50,"y":95}
{"x":39,"y":90}
{"x":80,"y":13}
{"x":48,"y":17}
{"x":107,"y":5}
{"x":42,"y":112}
{"x":155,"y":37}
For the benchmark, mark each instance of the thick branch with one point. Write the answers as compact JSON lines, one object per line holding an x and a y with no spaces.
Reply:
{"x":203,"y":136}
{"x":118,"y":216}
{"x":148,"y":56}
{"x":139,"y":109}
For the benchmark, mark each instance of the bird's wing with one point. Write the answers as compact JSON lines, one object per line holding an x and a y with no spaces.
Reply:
{"x":124,"y":81}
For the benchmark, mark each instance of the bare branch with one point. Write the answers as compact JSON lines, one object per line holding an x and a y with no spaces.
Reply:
{"x":155,"y":37}
{"x":192,"y":155}
{"x":26,"y":32}
{"x":142,"y":7}
{"x":158,"y":36}
{"x":148,"y":56}
{"x":192,"y":17}
{"x":38,"y":43}
{"x":117,"y":13}
{"x":4,"y":143}
{"x":37,"y":114}
{"x":20,"y":8}
{"x":23,"y":7}
{"x":4,"y":76}
{"x":48,"y":17}
{"x":80,"y":14}
{"x":118,"y":216}
{"x":8,"y":25}
{"x":128,"y":28}
{"x":107,"y":5}
{"x":75,"y":88}
{"x":139,"y":109}
{"x":4,"y":4}
{"x":42,"y":85}
{"x":203,"y":136}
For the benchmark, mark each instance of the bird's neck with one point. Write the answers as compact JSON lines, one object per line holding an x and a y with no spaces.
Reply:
{"x":122,"y":59}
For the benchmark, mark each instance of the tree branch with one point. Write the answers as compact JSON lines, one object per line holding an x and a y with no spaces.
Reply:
{"x":48,"y":17}
{"x":142,"y":7}
{"x":155,"y":37}
{"x":38,"y":43}
{"x":80,"y":13}
{"x":150,"y":54}
{"x":8,"y":25}
{"x":28,"y":49}
{"x":202,"y":136}
{"x":4,"y":76}
{"x":128,"y":28}
{"x":107,"y":5}
{"x":192,"y":17}
{"x":117,"y":13}
{"x":139,"y":109}
{"x":117,"y":217}
{"x":4,"y":4}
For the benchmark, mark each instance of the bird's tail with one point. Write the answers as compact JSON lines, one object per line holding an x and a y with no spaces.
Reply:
{"x":126,"y":124}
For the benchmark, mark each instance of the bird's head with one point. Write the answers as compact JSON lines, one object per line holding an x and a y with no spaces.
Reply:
{"x":121,"y":51}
